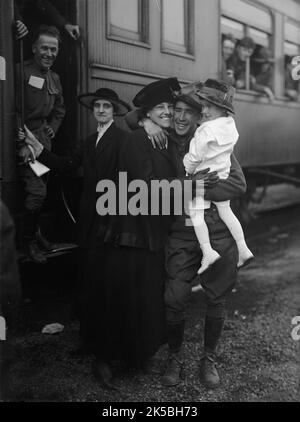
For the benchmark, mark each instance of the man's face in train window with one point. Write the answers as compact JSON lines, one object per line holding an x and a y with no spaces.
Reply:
{"x":45,"y":50}
{"x":185,"y":118}
{"x":228,"y":49}
{"x":103,"y":111}
{"x":244,"y":53}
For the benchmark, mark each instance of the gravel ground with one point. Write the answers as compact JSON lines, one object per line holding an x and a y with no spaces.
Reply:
{"x":258,"y":360}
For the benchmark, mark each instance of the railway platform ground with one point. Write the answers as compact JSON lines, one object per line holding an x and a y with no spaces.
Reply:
{"x":258,"y":359}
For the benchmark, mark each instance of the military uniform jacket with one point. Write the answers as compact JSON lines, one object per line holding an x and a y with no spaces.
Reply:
{"x":44,"y":103}
{"x":99,"y":163}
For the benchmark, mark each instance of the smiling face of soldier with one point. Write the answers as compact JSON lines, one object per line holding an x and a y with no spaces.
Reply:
{"x":185,"y":118}
{"x":45,"y":50}
{"x":103,"y":111}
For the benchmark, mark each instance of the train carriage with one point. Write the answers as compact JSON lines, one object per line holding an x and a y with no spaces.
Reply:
{"x":126,"y":44}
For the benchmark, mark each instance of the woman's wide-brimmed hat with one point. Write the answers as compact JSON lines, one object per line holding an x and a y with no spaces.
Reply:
{"x":157,"y":92}
{"x":188,"y":95}
{"x":120,"y":107}
{"x":219,"y":93}
{"x":264,"y":56}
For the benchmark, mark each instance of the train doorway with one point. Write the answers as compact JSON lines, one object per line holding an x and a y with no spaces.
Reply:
{"x":62,"y":192}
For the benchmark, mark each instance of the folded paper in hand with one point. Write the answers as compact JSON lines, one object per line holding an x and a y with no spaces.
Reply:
{"x":38,"y":168}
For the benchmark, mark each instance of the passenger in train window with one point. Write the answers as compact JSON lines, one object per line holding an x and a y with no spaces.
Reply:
{"x":44,"y":112}
{"x":243,"y":52}
{"x":291,"y":86}
{"x":263,"y":71}
{"x":228,"y":48}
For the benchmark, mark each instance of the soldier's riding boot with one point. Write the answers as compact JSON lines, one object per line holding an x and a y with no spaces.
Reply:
{"x":33,"y":249}
{"x":212,"y":333}
{"x":174,"y":370}
{"x":208,"y":372}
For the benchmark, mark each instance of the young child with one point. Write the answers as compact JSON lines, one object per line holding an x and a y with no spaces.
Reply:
{"x":212,"y":147}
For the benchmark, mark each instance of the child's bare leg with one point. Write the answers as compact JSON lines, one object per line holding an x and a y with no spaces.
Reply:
{"x":227,"y":216}
{"x":210,"y":256}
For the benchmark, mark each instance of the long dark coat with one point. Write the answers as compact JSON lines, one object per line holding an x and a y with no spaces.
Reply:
{"x":98,"y":163}
{"x":132,"y":326}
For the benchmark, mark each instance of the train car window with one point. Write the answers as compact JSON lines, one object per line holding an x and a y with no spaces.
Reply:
{"x":252,"y":27}
{"x":178,"y":26}
{"x":291,"y":50}
{"x":261,"y":39}
{"x":128,"y":20}
{"x":248,"y":14}
{"x":229,"y":26}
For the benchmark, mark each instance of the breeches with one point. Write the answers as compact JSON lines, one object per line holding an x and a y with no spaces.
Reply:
{"x":183,"y":259}
{"x":35,"y":189}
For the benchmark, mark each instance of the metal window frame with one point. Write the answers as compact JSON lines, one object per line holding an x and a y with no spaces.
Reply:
{"x":141,"y":38}
{"x":174,"y":49}
{"x":246,"y":33}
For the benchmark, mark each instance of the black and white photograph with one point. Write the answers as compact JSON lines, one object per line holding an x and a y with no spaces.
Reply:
{"x":150,"y":200}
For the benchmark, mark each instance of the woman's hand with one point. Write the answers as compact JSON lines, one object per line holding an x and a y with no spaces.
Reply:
{"x":156,"y":134}
{"x":210,"y":180}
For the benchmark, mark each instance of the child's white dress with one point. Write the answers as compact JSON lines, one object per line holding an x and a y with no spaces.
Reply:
{"x":211,"y":148}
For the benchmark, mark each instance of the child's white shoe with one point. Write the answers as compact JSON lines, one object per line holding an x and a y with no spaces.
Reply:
{"x":208,"y":260}
{"x":245,"y":257}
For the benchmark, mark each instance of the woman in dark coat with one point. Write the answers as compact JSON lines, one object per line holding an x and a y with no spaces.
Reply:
{"x":134,"y":324}
{"x":98,"y":155}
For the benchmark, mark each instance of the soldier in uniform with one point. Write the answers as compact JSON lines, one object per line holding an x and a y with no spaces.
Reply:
{"x":44,"y":113}
{"x":182,"y":251}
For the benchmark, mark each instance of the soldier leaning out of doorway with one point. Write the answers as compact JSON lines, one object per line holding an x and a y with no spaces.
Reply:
{"x":44,"y":112}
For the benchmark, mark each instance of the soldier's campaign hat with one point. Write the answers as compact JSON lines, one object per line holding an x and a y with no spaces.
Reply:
{"x":188,"y":95}
{"x":219,"y":93}
{"x":157,"y":92}
{"x":120,"y":106}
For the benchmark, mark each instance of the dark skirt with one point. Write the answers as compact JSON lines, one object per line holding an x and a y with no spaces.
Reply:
{"x":123,"y":314}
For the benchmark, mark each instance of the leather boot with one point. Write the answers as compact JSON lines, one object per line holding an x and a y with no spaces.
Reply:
{"x":208,"y":372}
{"x":173,"y":374}
{"x":33,"y":250}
